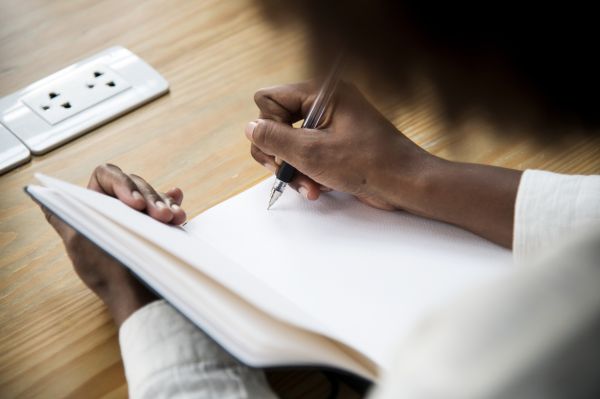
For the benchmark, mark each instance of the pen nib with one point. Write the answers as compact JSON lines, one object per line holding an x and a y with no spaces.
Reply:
{"x":276,"y":192}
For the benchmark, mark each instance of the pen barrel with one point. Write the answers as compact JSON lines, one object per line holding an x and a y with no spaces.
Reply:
{"x":286,"y":172}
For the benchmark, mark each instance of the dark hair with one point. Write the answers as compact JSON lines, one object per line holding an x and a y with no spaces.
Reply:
{"x":518,"y":62}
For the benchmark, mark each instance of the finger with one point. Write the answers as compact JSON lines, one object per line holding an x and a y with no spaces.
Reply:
{"x":285,"y":103}
{"x":307,"y":187}
{"x":301,"y":183}
{"x":179,"y":215}
{"x":265,"y":160}
{"x":155,"y":205}
{"x":296,"y":146}
{"x":110,"y":179}
{"x":176,"y":195}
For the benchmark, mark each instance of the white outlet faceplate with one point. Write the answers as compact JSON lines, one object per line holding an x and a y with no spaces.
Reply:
{"x":79,"y":98}
{"x":75,"y":92}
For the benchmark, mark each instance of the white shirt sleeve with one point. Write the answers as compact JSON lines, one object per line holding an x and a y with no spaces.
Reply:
{"x":531,"y":335}
{"x":166,"y":356}
{"x":551,"y":207}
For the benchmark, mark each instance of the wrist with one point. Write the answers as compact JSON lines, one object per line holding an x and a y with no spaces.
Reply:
{"x":478,"y":198}
{"x":424,"y":197}
{"x":409,"y":181}
{"x":125,"y":299}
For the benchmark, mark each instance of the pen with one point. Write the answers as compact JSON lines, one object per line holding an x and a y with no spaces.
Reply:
{"x":286,"y":172}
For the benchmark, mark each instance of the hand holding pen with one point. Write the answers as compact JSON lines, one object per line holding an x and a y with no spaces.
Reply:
{"x":286,"y":172}
{"x":355,"y":150}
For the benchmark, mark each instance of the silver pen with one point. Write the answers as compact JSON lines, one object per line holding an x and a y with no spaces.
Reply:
{"x":287,"y":172}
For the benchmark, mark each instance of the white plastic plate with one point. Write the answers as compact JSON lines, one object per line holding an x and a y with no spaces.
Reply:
{"x":79,"y":98}
{"x":12,"y":152}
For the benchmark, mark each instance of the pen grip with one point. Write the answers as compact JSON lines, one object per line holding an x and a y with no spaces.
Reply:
{"x":286,"y":172}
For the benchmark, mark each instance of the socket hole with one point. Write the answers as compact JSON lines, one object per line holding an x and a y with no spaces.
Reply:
{"x":53,"y":95}
{"x":45,"y":107}
{"x":97,"y":74}
{"x":66,"y":105}
{"x":90,"y":85}
{"x":111,"y":84}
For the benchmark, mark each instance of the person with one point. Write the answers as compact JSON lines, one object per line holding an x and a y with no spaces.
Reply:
{"x":533,"y":334}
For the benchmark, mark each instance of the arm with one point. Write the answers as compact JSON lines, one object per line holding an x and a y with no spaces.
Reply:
{"x":479,"y":198}
{"x":164,"y":354}
{"x":358,"y":151}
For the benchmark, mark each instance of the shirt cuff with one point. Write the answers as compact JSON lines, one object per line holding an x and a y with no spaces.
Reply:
{"x":164,"y":353}
{"x":551,"y":207}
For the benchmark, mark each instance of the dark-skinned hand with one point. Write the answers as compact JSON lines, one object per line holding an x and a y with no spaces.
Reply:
{"x":112,"y":282}
{"x":355,"y":149}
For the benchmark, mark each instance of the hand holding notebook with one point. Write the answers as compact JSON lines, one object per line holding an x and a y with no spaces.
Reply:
{"x":122,"y":293}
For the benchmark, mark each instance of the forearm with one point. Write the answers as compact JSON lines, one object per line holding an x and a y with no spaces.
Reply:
{"x":479,"y":198}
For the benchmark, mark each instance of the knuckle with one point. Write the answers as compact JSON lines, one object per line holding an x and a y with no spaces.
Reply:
{"x":144,"y":187}
{"x":137,"y":179}
{"x":256,"y":153}
{"x":165,"y":198}
{"x":112,"y":166}
{"x":151,"y":195}
{"x":127,"y":180}
{"x":100,"y":169}
{"x":107,"y":168}
{"x":260,"y":95}
{"x":262,"y":133}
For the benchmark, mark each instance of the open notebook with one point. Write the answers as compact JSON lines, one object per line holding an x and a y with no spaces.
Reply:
{"x":330,"y":283}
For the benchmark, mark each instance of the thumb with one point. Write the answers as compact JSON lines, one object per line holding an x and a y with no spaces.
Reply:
{"x":281,"y":140}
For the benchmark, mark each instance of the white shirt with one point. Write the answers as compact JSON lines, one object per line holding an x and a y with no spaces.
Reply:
{"x":519,"y":338}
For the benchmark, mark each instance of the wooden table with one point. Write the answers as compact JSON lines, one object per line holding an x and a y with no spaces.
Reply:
{"x":56,"y":338}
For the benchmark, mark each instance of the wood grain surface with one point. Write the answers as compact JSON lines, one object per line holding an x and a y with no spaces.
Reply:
{"x":56,"y":338}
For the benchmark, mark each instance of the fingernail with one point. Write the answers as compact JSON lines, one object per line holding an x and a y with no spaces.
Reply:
{"x":175,"y":207}
{"x":304,"y":191}
{"x":250,"y":129}
{"x":160,"y":204}
{"x":136,"y":195}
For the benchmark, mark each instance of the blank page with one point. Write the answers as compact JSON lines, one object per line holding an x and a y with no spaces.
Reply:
{"x":222,"y":314}
{"x":367,"y":275}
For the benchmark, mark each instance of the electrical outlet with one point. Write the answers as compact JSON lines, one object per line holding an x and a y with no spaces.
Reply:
{"x":75,"y":92}
{"x":79,"y":98}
